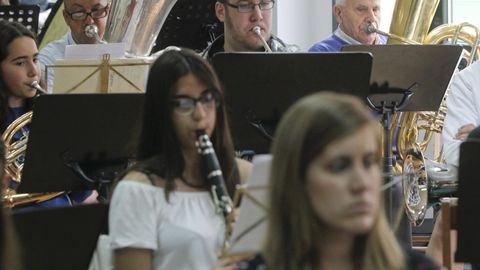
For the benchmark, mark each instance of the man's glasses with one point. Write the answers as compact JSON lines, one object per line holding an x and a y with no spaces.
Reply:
{"x":185,"y":105}
{"x":249,"y":7}
{"x":82,"y":15}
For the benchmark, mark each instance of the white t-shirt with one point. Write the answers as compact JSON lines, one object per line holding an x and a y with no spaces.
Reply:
{"x":463,"y":107}
{"x":184,"y":233}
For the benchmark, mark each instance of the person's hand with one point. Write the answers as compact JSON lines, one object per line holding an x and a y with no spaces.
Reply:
{"x":4,"y":3}
{"x":464,"y":131}
{"x":229,"y":263}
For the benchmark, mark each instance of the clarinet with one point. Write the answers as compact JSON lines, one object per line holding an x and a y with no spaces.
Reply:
{"x":219,"y":192}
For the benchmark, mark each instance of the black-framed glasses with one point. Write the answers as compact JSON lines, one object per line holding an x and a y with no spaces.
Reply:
{"x":185,"y":105}
{"x":97,"y":13}
{"x":249,"y":7}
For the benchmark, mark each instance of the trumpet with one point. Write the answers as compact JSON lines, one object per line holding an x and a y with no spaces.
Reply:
{"x":37,"y":86}
{"x":371,"y":28}
{"x":258,"y":32}
{"x":91,"y":31}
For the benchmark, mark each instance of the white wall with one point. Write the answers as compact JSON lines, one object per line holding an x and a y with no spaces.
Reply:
{"x":465,"y":11}
{"x":303,"y":22}
{"x":387,"y":10}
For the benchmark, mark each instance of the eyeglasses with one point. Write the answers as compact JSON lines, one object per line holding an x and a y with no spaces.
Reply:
{"x":185,"y":105}
{"x":245,"y":8}
{"x":82,"y":15}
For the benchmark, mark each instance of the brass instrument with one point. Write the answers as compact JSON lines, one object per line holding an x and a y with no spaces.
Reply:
{"x":137,"y":23}
{"x":410,"y":24}
{"x":91,"y":31}
{"x":15,"y":153}
{"x":370,"y":29}
{"x":258,"y":32}
{"x":466,"y":32}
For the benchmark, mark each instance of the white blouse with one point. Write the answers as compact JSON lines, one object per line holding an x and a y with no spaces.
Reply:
{"x":184,"y":233}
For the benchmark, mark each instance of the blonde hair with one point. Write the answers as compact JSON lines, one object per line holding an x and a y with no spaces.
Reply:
{"x":291,"y":241}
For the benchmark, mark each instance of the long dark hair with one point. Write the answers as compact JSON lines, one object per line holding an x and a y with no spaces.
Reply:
{"x":159,"y":149}
{"x":9,"y":31}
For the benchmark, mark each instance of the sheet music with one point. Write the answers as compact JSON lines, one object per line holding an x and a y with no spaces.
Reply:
{"x":95,"y":51}
{"x":250,"y":227}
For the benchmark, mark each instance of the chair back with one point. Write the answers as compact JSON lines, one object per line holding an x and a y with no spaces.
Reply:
{"x":449,"y":223}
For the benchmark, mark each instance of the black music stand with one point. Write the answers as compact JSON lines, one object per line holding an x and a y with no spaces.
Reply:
{"x":425,"y":70}
{"x":191,"y":24}
{"x":414,"y":78}
{"x":259,"y":87}
{"x":80,"y":141}
{"x":468,"y":221}
{"x":24,"y":14}
{"x":59,"y":238}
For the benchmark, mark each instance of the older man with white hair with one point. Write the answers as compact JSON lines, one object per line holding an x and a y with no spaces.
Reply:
{"x":353,"y":17}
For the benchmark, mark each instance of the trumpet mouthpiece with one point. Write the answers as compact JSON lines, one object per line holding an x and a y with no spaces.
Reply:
{"x":257,"y":30}
{"x":91,"y":31}
{"x":370,"y":28}
{"x":37,"y":86}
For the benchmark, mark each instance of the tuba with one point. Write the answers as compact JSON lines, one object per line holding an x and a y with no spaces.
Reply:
{"x":137,"y":23}
{"x":14,"y":157}
{"x":411,"y":21}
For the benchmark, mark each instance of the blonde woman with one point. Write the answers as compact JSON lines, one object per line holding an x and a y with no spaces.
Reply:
{"x":325,"y":192}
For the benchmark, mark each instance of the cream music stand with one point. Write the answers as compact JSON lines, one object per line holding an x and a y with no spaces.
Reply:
{"x":106,"y":75}
{"x":250,"y":226}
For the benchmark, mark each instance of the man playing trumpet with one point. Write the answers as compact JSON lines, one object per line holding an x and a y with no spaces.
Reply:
{"x":353,"y":18}
{"x":77,"y":15}
{"x":248,"y":25}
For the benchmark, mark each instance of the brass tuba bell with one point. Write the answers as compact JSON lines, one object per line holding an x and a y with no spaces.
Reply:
{"x":137,"y":23}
